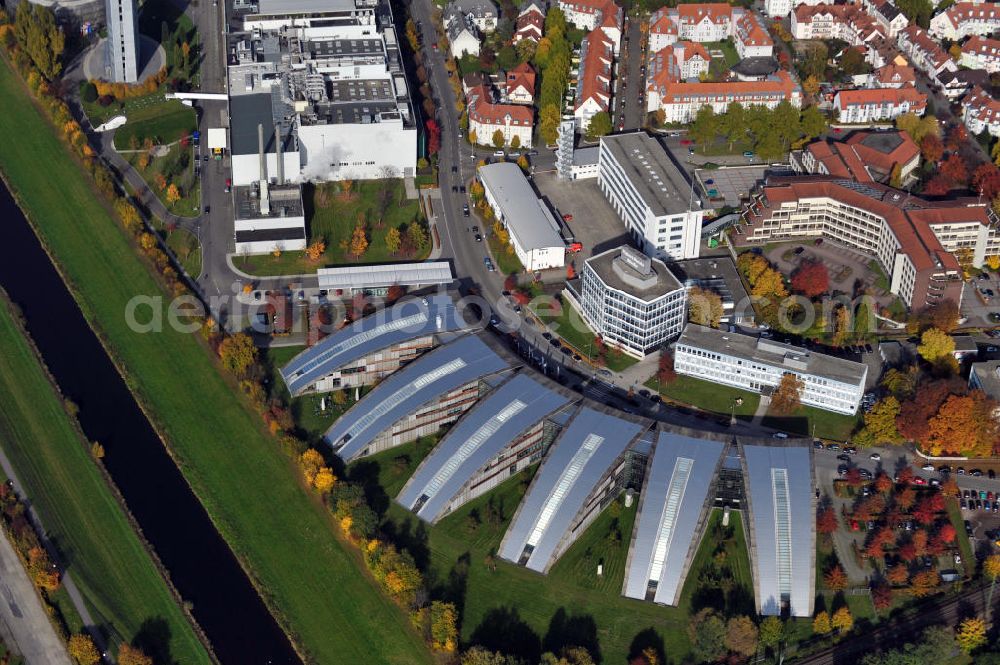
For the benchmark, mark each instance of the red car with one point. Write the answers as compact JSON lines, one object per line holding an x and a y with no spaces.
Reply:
{"x":854,"y":525}
{"x":434,"y":46}
{"x":567,"y":218}
{"x":685,"y":141}
{"x":917,"y":480}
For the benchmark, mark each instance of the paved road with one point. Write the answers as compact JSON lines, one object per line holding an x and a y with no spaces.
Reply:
{"x":23,"y":621}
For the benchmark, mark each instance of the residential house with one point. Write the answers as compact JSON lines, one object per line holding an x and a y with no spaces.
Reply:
{"x":958,"y":83}
{"x":981,"y":113}
{"x":463,"y":36}
{"x":482,"y":13}
{"x":486,"y":118}
{"x":593,"y":92}
{"x":530,"y":22}
{"x":865,"y":156}
{"x":681,"y":100}
{"x":520,"y":85}
{"x":924,"y":51}
{"x":750,"y":37}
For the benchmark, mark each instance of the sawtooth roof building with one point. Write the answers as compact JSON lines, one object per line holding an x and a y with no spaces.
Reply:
{"x":366,"y":342}
{"x":571,"y":487}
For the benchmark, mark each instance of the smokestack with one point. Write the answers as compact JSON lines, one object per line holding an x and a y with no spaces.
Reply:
{"x":277,"y":153}
{"x":265,"y":207}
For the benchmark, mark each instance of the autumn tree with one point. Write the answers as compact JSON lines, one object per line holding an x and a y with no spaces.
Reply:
{"x":955,"y":170}
{"x":173,"y":194}
{"x":991,"y":569}
{"x":932,"y":149}
{"x":901,"y":384}
{"x":498,"y":139}
{"x":599,"y":125}
{"x":772,"y":632}
{"x":707,"y":631}
{"x":130,"y":655}
{"x":417,"y":236}
{"x":315,"y":251}
{"x":769,"y":284}
{"x":826,"y":520}
{"x":811,"y":85}
{"x":934,"y":345}
{"x":393,"y":240}
{"x":704,"y":307}
{"x":821,"y":623}
{"x":915,"y":414}
{"x":925,"y":583}
{"x":665,"y":372}
{"x":835,"y":579}
{"x":359,"y":241}
{"x":238,"y":353}
{"x":787,"y":396}
{"x":444,"y":626}
{"x":811,"y":279}
{"x":842,"y":621}
{"x":971,"y":634}
{"x":82,"y":650}
{"x":880,"y":424}
{"x":41,"y":37}
{"x":986,"y":180}
{"x":741,"y":635}
{"x":964,"y":425}
{"x":897,"y":575}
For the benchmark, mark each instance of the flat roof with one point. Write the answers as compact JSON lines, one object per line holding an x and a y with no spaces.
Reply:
{"x":770,"y":352}
{"x":246,"y":112}
{"x":385,"y":275}
{"x":651,"y":172}
{"x":782,"y":520}
{"x":714,"y":273}
{"x":478,"y":437}
{"x":582,"y":454}
{"x":676,"y":497}
{"x":278,"y":7}
{"x":271,"y":234}
{"x":405,"y":320}
{"x":283,"y":201}
{"x":422,"y":381}
{"x":525,"y":215}
{"x":988,"y":375}
{"x":614,"y":273}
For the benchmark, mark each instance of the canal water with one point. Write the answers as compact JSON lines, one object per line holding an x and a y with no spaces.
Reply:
{"x":201,"y":565}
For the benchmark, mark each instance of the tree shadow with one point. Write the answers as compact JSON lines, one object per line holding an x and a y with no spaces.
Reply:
{"x":452,"y":590}
{"x":647,"y":639}
{"x":502,"y":629}
{"x":578,"y":630}
{"x":365,"y":473}
{"x":405,"y":536}
{"x":154,"y":639}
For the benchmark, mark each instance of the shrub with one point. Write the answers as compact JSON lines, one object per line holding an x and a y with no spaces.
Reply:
{"x":88,"y":92}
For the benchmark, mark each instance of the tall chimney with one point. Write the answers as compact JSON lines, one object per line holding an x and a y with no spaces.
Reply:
{"x":265,"y":207}
{"x":277,"y":153}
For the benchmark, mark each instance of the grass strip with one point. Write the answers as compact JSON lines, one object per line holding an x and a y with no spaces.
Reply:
{"x":110,"y":564}
{"x":313,"y":583}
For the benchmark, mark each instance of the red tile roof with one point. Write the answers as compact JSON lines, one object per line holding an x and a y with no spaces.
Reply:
{"x":741,"y":90}
{"x":893,"y":73}
{"x":750,"y":32}
{"x":482,"y":110}
{"x":717,"y":12}
{"x":966,"y":11}
{"x":595,"y":69}
{"x":529,"y":26}
{"x":661,"y":23}
{"x":980,"y":105}
{"x":522,"y":76}
{"x":894,"y":96}
{"x":982,"y":47}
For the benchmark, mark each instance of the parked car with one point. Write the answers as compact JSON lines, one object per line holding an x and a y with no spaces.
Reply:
{"x":833,"y":446}
{"x":875,"y":456}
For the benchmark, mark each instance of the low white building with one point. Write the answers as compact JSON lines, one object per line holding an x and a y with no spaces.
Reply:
{"x":651,"y":195}
{"x":757,"y":365}
{"x":481,"y":13}
{"x":878,"y":104}
{"x":268,"y":218}
{"x":632,"y":301}
{"x":534,"y":231}
{"x":462,"y":39}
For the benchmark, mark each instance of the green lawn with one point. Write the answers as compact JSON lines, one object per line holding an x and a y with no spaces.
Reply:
{"x":332,"y":217}
{"x":506,"y":261}
{"x":729,"y":54}
{"x":571,"y":327}
{"x":957,"y":521}
{"x":808,"y":420}
{"x":721,"y":555}
{"x":163,"y":121}
{"x":177,"y":168}
{"x":707,"y":396}
{"x":315,"y":584}
{"x":64,"y":484}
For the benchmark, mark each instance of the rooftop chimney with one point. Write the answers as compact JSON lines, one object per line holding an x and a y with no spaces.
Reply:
{"x":265,"y":207}
{"x":277,"y":154}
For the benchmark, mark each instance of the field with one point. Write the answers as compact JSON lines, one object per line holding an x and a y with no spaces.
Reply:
{"x":515,"y":609}
{"x":332,"y":216}
{"x":164,"y":122}
{"x":708,"y":396}
{"x":810,"y":421}
{"x":316,"y":585}
{"x":109,"y":563}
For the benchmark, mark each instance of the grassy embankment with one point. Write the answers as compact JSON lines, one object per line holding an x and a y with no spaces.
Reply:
{"x":517,"y":610}
{"x":314,"y":584}
{"x":109,"y":564}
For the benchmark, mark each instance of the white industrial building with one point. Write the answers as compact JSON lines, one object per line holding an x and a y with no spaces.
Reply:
{"x":632,"y":301}
{"x":335,"y":90}
{"x":534,"y":231}
{"x":268,"y":219}
{"x":651,"y":195}
{"x":757,"y":365}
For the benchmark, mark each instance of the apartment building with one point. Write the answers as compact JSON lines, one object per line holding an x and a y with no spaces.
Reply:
{"x":632,"y":301}
{"x":878,"y":104}
{"x":593,"y":92}
{"x":966,"y":18}
{"x":681,"y":100}
{"x":750,"y":37}
{"x":651,"y":195}
{"x":680,"y":61}
{"x":846,"y":22}
{"x":519,"y":87}
{"x":980,"y":112}
{"x":530,"y":22}
{"x":593,"y":14}
{"x":865,"y":156}
{"x":758,"y":365}
{"x":981,"y":53}
{"x":913,"y":240}
{"x":710,"y":22}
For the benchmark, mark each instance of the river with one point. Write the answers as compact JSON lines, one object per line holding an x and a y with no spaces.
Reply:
{"x":201,"y":565}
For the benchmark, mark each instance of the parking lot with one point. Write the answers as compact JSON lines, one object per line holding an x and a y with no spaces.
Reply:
{"x":594,"y":222}
{"x":981,"y":308}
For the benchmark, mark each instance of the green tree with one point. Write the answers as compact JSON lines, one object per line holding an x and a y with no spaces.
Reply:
{"x":814,"y":63}
{"x":498,"y":139}
{"x":813,"y":122}
{"x":705,"y":126}
{"x":734,"y":123}
{"x":880,"y":423}
{"x":708,"y":636}
{"x":787,"y":396}
{"x":852,"y":62}
{"x":42,"y":39}
{"x":772,"y":632}
{"x":548,"y":123}
{"x":918,"y":11}
{"x":786,"y":123}
{"x":515,"y":142}
{"x":599,"y":125}
{"x":971,"y":634}
{"x":417,"y":235}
